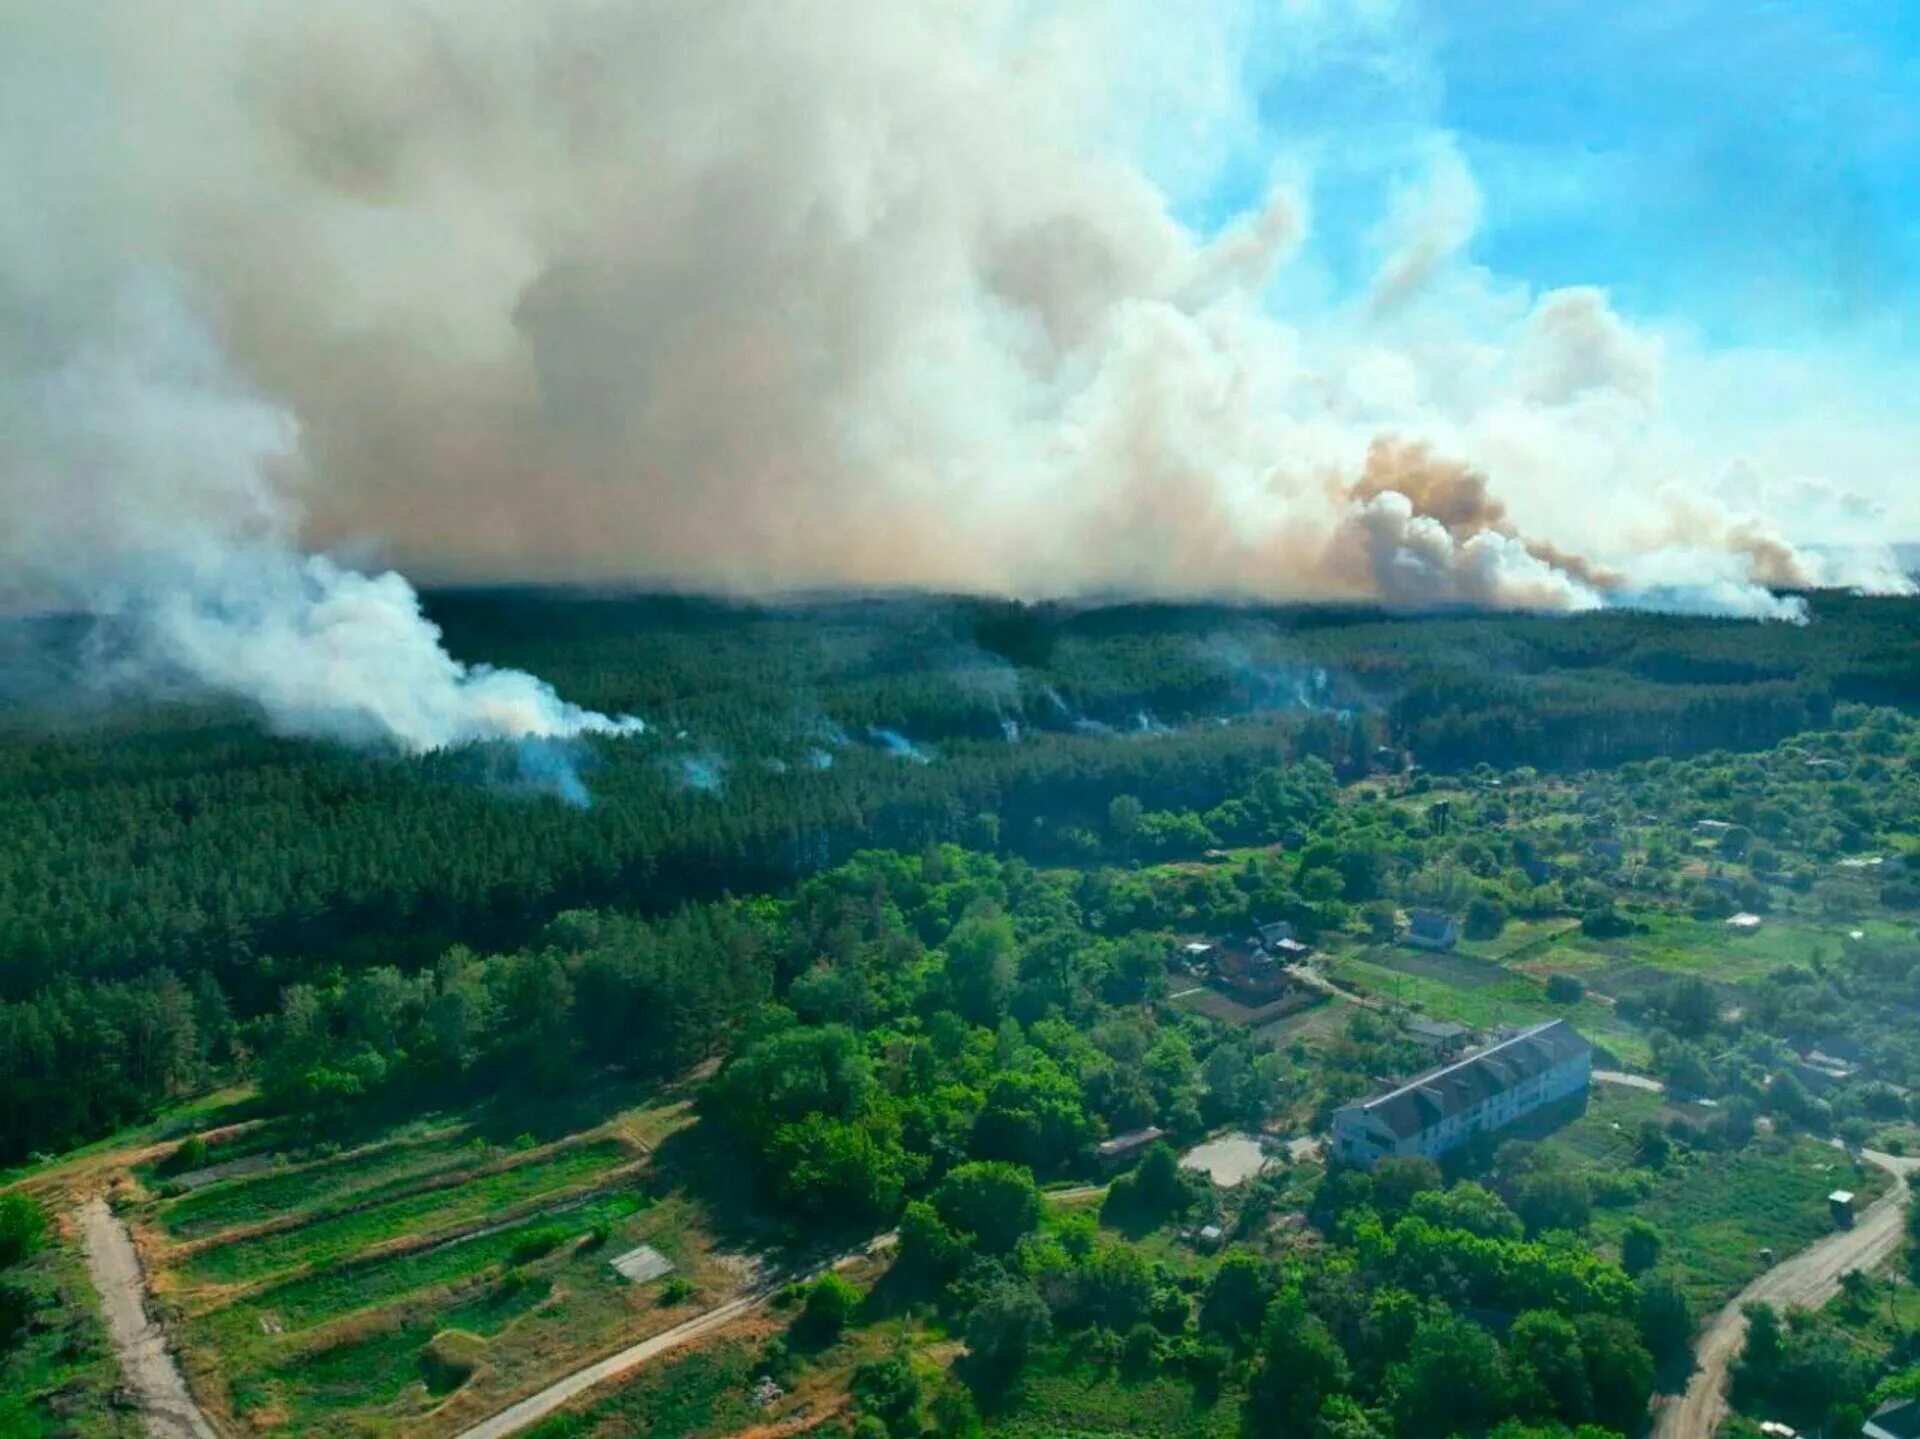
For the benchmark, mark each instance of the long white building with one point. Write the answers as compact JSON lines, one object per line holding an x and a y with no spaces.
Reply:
{"x":1486,"y":1091}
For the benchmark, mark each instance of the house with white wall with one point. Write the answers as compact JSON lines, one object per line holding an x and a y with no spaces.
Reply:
{"x":1483,"y":1093}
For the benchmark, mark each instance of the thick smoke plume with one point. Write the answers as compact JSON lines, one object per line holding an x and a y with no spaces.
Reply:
{"x":754,"y":295}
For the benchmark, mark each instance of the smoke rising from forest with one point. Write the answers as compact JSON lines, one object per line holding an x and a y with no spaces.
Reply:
{"x":752,"y":296}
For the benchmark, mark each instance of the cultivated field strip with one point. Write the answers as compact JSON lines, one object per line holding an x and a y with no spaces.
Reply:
{"x":436,"y":1206}
{"x":341,"y":1291}
{"x":363,"y":1175}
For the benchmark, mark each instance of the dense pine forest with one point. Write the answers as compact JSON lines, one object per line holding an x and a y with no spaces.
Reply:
{"x":167,"y":868}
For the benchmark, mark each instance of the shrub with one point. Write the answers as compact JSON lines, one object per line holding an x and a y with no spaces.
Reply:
{"x":830,"y":1304}
{"x":537,"y":1244}
{"x":888,"y":1390}
{"x":189,"y":1154}
{"x":1617,"y":1188}
{"x":1565,"y":989}
{"x":1137,"y":1353}
{"x":23,"y":1224}
{"x":511,"y":1283}
{"x":1640,"y":1247}
{"x":1486,"y":917}
{"x":16,"y":1311}
{"x":1603,"y":921}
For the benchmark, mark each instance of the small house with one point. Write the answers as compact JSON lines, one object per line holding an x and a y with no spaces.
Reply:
{"x":1430,"y":929}
{"x":1840,"y":1206}
{"x":1273,"y":932}
{"x":1249,"y":974}
{"x":1745,"y":923}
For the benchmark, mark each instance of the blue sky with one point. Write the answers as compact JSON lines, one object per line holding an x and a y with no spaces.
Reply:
{"x":1747,"y":168}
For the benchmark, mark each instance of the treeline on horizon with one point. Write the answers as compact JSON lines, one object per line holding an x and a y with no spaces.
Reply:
{"x":181,"y":841}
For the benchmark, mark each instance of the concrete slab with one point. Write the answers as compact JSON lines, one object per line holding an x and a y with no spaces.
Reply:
{"x":643,"y":1264}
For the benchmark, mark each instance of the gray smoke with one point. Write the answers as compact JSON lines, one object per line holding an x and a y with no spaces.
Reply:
{"x":757,"y":295}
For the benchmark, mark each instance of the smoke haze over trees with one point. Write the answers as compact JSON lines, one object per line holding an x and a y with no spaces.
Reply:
{"x":764,"y":297}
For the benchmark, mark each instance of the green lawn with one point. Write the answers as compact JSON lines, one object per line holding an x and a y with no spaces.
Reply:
{"x":1717,"y":1210}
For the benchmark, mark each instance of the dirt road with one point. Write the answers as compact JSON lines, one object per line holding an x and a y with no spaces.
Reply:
{"x":167,"y":1410}
{"x":534,"y":1408}
{"x":1810,"y":1278}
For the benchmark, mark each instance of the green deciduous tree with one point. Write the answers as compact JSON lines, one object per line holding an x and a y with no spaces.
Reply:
{"x":992,"y":1201}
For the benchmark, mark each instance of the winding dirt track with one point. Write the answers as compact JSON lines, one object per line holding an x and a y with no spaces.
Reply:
{"x":1810,"y":1278}
{"x":167,"y":1410}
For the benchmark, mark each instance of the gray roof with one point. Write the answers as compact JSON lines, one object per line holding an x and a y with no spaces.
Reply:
{"x":1896,"y":1419}
{"x":1436,"y":1028}
{"x":1122,"y":1143}
{"x":1456,"y":1088}
{"x":1429,"y":921}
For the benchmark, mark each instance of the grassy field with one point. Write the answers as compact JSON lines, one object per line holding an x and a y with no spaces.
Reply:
{"x":1717,"y":1210}
{"x":703,"y":1393}
{"x":59,"y":1381}
{"x":1489,"y":997}
{"x":1672,"y":945}
{"x":1078,"y":1403}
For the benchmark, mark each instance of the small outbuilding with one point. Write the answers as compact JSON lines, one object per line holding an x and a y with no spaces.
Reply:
{"x":1840,"y":1204}
{"x":1430,"y":929}
{"x":1123,"y":1148}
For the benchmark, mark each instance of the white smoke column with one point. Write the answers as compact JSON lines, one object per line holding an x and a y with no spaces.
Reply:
{"x":147,"y":456}
{"x":326,"y":651}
